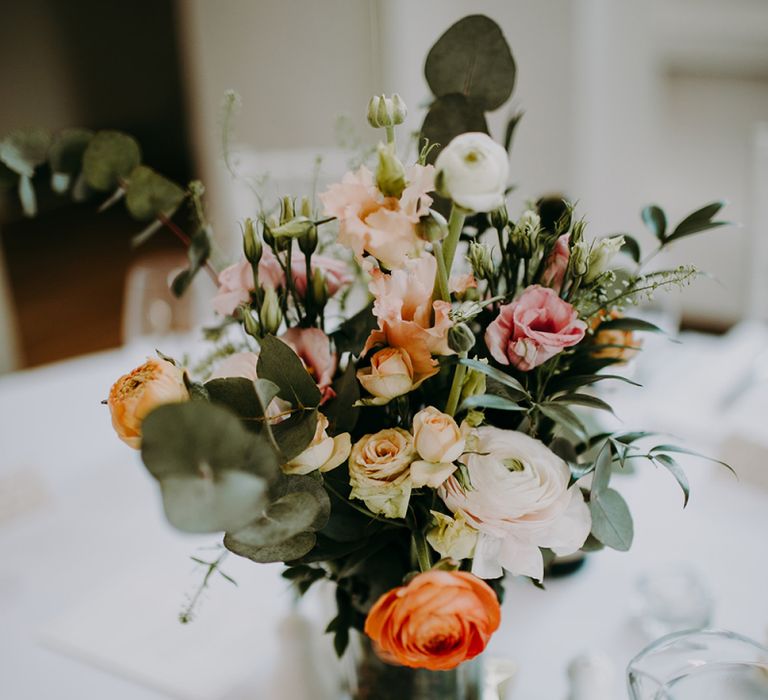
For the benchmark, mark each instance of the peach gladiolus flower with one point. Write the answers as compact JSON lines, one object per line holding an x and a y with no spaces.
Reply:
{"x":385,"y":227}
{"x":314,"y":349}
{"x":439,"y":620}
{"x":134,"y":395}
{"x":404,"y":307}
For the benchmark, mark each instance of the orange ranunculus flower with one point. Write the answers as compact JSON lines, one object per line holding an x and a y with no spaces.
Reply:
{"x":135,"y":394}
{"x":621,"y":345}
{"x":439,"y":620}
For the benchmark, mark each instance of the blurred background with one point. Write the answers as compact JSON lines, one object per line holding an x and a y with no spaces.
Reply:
{"x":625,"y":104}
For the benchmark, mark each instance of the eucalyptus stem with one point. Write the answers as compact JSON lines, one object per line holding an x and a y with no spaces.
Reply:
{"x":455,"y":225}
{"x":442,"y":287}
{"x":187,"y":241}
{"x":458,"y":382}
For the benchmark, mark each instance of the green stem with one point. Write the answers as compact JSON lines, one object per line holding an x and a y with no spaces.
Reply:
{"x":442,"y":288}
{"x":458,"y":382}
{"x":421,"y":549}
{"x":455,"y":224}
{"x":390,"y":134}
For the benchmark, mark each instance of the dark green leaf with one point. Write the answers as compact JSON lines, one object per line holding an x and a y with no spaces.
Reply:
{"x":656,"y":221}
{"x":700,"y":220}
{"x":584,"y":400}
{"x":341,"y":412}
{"x":238,"y":394}
{"x":24,"y":150}
{"x":197,"y":253}
{"x":289,"y":550}
{"x":564,"y":417}
{"x":611,"y":520}
{"x":449,"y":116}
{"x":294,"y":434}
{"x":350,"y":336}
{"x":149,"y":194}
{"x":280,"y":364}
{"x":629,"y":324}
{"x":472,"y":58}
{"x":67,"y":149}
{"x":574,"y":381}
{"x":509,"y":132}
{"x":498,"y":403}
{"x":631,"y":247}
{"x":109,"y":159}
{"x":677,"y":471}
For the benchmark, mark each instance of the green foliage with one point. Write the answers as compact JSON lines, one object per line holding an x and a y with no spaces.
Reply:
{"x":611,"y":520}
{"x":351,"y":334}
{"x":448,"y":117}
{"x":109,"y":159}
{"x":24,"y":150}
{"x":656,"y":220}
{"x":280,"y":364}
{"x":198,"y":252}
{"x":342,"y":413}
{"x":148,"y":194}
{"x":67,"y":150}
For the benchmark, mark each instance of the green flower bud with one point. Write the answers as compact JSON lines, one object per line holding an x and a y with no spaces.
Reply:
{"x":460,"y":338}
{"x":600,"y":255}
{"x":308,"y":242}
{"x":269,"y":225}
{"x":250,"y":323}
{"x":481,"y":260}
{"x":306,"y":207}
{"x":474,"y":418}
{"x":297,"y":227}
{"x":578,"y":263}
{"x":474,"y":384}
{"x":433,"y":226}
{"x":498,"y":218}
{"x":252,"y":246}
{"x":271,"y":315}
{"x":390,"y":175}
{"x":386,"y":111}
{"x":319,"y":288}
{"x":286,"y":210}
{"x":525,"y":233}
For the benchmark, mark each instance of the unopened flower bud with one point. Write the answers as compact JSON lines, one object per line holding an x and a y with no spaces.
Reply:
{"x":600,"y":256}
{"x":474,"y":384}
{"x":498,"y":218}
{"x":297,"y":227}
{"x":390,"y":174}
{"x":474,"y":418}
{"x":271,"y":315}
{"x":269,"y":225}
{"x":308,"y":242}
{"x":481,"y":260}
{"x":460,"y":338}
{"x":319,"y":288}
{"x":286,"y":210}
{"x":579,"y":260}
{"x":252,"y":246}
{"x":524,"y":235}
{"x":250,"y":323}
{"x":306,"y":207}
{"x":386,"y":111}
{"x":433,"y":226}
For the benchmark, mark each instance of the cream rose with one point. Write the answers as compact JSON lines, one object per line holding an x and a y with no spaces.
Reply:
{"x":472,"y":171}
{"x":379,"y":471}
{"x":390,"y":375}
{"x":520,"y":501}
{"x":439,"y":442}
{"x":324,"y":452}
{"x":135,"y":394}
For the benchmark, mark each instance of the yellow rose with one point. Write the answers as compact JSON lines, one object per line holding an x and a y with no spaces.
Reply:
{"x":390,"y":375}
{"x":324,"y":452}
{"x":379,"y":471}
{"x":134,"y":395}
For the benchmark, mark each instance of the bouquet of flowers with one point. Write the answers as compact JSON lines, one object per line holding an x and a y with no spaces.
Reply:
{"x":416,"y":450}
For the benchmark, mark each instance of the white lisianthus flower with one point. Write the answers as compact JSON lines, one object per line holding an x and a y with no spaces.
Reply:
{"x":519,"y":501}
{"x":324,"y":452}
{"x":452,"y":537}
{"x":379,"y":471}
{"x":600,"y":255}
{"x":472,"y":171}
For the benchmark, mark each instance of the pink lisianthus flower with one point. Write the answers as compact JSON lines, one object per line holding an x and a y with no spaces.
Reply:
{"x":385,"y":227}
{"x":236,"y":281}
{"x":536,"y":326}
{"x":314,"y":349}
{"x":459,"y":284}
{"x":557,"y":264}
{"x":408,"y":318}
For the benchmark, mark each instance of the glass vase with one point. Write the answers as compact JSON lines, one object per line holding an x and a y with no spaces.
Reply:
{"x":370,"y":678}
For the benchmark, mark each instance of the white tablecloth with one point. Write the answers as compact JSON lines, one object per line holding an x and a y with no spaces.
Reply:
{"x":92,"y":578}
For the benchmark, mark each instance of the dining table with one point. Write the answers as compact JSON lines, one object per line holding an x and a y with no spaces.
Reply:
{"x":94,"y":581}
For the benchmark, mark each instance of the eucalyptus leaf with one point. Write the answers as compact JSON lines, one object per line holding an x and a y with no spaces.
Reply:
{"x":24,"y":150}
{"x":656,"y":221}
{"x":611,"y":520}
{"x":341,"y":412}
{"x":109,"y":159}
{"x":449,"y":116}
{"x":283,"y":519}
{"x":290,"y":550}
{"x":351,"y":334}
{"x":294,"y":434}
{"x":238,"y":394}
{"x":472,"y":58}
{"x":198,"y":253}
{"x":149,"y":194}
{"x":67,"y":150}
{"x":280,"y":364}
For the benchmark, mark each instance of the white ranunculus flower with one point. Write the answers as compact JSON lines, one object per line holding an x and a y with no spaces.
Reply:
{"x":519,"y":502}
{"x":472,"y":171}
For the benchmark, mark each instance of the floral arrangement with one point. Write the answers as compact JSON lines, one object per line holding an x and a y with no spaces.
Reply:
{"x":417,"y":450}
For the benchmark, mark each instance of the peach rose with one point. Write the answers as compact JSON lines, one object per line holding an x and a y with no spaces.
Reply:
{"x":390,"y":375}
{"x":621,"y":345}
{"x":379,"y":471}
{"x":385,"y":227}
{"x":236,"y":281}
{"x":324,"y":452}
{"x":314,"y":349}
{"x":439,"y":620}
{"x":536,"y":326}
{"x":557,"y":264}
{"x":439,"y":443}
{"x":134,"y":395}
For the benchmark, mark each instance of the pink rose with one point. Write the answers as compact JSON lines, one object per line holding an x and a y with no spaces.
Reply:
{"x":314,"y":349}
{"x":236,"y":281}
{"x":557,"y":264}
{"x":385,"y":227}
{"x":533,"y":328}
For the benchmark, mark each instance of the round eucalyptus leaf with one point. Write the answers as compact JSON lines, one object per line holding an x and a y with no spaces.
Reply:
{"x":283,"y":519}
{"x":195,"y":437}
{"x":109,"y":159}
{"x":306,"y":484}
{"x":67,"y":149}
{"x":149,"y":194}
{"x":291,"y":549}
{"x":213,"y":502}
{"x":472,"y":58}
{"x":23,"y":150}
{"x":448,"y":117}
